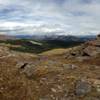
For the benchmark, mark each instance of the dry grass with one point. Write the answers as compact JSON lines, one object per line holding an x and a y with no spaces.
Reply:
{"x":55,"y":52}
{"x":50,"y":81}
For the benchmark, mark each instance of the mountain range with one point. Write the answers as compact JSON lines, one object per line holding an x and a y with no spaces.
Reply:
{"x":65,"y":38}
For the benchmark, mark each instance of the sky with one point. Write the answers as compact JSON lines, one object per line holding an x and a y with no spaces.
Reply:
{"x":49,"y":17}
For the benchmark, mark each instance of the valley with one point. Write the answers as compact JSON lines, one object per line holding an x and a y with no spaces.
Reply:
{"x":39,"y":44}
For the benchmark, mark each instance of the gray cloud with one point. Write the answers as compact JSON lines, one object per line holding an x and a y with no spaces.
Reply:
{"x":50,"y":16}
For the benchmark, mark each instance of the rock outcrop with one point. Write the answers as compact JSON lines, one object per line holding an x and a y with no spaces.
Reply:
{"x":88,"y":49}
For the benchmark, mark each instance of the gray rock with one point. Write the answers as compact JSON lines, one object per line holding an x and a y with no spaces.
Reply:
{"x":98,"y":88}
{"x":29,"y":70}
{"x":82,"y":88}
{"x":82,"y":58}
{"x":69,"y":66}
{"x":93,"y":67}
{"x":21,"y":64}
{"x":91,"y":51}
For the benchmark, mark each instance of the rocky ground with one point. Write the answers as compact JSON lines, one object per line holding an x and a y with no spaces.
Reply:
{"x":71,"y":75}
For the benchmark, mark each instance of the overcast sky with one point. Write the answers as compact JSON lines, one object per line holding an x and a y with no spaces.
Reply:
{"x":76,"y":17}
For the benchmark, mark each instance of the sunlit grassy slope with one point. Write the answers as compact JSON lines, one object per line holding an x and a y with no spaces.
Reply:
{"x":55,"y":52}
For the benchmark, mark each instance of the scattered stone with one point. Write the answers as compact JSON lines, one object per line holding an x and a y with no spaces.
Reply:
{"x":33,"y":71}
{"x":93,"y":67}
{"x":91,"y":98}
{"x":98,"y":88}
{"x":52,"y":82}
{"x":81,"y":58}
{"x":82,"y":88}
{"x":53,"y":90}
{"x":97,"y":85}
{"x":44,"y":98}
{"x":69,"y":66}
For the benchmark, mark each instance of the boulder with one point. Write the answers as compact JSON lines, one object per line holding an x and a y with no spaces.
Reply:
{"x":26,"y":68}
{"x":91,"y":51}
{"x":82,"y":88}
{"x":21,"y":64}
{"x":29,"y":70}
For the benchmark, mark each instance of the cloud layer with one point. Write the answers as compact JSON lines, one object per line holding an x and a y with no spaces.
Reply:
{"x":76,"y":17}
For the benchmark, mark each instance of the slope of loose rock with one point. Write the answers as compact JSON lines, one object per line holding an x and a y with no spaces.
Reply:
{"x":72,"y":75}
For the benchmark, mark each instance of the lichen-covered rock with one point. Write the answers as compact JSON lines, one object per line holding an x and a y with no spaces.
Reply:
{"x":82,"y":88}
